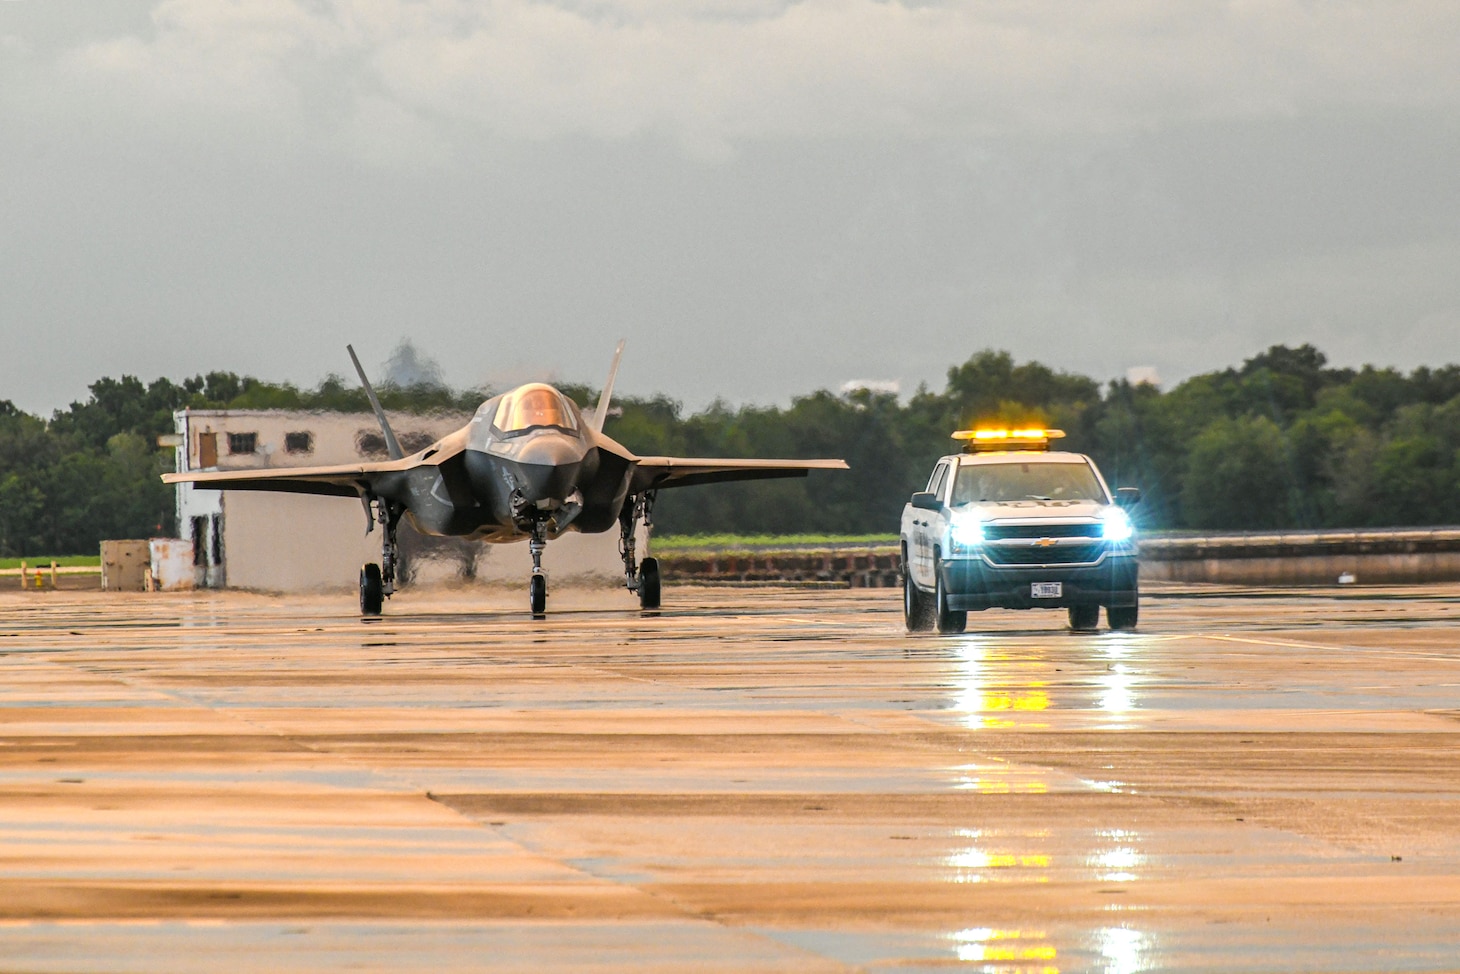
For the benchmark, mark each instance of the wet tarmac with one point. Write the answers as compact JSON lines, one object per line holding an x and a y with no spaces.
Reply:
{"x":751,"y":780}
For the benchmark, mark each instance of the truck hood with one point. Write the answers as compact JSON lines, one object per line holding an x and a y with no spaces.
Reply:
{"x":1036,"y":510}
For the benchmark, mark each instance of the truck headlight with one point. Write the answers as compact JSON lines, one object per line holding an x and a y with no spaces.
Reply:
{"x":965,"y":532}
{"x":1117,"y":525}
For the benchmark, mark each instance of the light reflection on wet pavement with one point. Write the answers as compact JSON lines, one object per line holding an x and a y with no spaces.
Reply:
{"x":750,"y":780}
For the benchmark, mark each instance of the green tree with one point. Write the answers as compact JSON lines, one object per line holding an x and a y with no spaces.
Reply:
{"x":1234,"y":476}
{"x":1281,"y":441}
{"x":1136,"y":441}
{"x":1416,"y":470}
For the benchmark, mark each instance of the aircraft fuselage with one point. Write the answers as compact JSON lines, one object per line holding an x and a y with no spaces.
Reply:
{"x":499,"y":484}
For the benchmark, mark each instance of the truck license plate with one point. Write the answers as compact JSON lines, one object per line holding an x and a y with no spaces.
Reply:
{"x":1046,"y":590}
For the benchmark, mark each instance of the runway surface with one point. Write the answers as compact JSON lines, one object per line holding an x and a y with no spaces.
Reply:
{"x":751,"y":780}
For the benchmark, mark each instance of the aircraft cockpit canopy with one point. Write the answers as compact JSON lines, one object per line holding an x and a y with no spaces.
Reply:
{"x":535,"y":406}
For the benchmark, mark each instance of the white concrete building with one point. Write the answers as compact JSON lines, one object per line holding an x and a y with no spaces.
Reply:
{"x":295,"y":542}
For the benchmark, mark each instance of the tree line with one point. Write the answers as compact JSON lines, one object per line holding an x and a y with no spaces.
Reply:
{"x":1283,"y":441}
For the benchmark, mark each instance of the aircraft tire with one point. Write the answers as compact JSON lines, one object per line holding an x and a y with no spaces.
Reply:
{"x":1123,"y":616}
{"x":945,"y":620}
{"x":372,"y":590}
{"x":649,"y":583}
{"x":537,"y":595}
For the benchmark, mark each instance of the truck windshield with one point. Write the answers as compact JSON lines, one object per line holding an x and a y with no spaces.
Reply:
{"x":1002,"y":482}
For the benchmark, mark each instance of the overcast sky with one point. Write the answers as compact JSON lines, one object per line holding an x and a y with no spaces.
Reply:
{"x":763,"y":197}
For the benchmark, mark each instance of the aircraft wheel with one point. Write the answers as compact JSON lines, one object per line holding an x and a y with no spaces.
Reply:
{"x":372,"y":590}
{"x":916,"y":614}
{"x":1084,"y":618}
{"x":537,"y":593}
{"x":649,"y":583}
{"x":1123,"y":616}
{"x":945,"y":620}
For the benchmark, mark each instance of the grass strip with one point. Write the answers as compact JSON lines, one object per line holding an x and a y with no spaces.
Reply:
{"x":44,"y":561}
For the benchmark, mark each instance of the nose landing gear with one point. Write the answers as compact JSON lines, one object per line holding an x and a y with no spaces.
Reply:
{"x":639,"y":576}
{"x":537,"y":581}
{"x":536,"y":522}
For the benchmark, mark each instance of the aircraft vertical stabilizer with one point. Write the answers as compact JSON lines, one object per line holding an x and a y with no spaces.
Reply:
{"x":392,"y":445}
{"x":601,"y":412}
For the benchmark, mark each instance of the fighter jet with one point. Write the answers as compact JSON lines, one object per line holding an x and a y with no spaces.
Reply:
{"x":530,"y":466}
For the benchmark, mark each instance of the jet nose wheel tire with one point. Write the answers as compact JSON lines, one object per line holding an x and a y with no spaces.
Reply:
{"x":537,"y":594}
{"x":372,"y":590}
{"x":649,"y":583}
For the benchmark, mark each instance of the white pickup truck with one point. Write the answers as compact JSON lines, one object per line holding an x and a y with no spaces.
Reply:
{"x":1009,"y":524}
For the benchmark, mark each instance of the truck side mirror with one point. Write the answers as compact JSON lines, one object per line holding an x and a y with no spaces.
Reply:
{"x":1127,"y":496}
{"x":926,"y":501}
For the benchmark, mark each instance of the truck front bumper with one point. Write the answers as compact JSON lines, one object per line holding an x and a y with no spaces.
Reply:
{"x":973,"y":583}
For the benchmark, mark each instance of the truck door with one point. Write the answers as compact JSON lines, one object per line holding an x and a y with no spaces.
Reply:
{"x":928,"y":529}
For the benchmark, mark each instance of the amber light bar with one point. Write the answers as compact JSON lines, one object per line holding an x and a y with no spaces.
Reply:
{"x":1005,"y":439}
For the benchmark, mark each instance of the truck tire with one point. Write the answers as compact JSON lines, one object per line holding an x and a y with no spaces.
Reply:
{"x":1085,"y":618}
{"x":917,"y":612}
{"x":945,"y":620}
{"x":1123,"y":617}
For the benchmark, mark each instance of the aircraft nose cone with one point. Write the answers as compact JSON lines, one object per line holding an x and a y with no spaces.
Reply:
{"x":550,"y":451}
{"x":547,"y":467}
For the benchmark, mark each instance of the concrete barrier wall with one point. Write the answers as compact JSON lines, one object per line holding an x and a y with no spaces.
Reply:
{"x":1290,"y":558}
{"x":853,"y":566}
{"x":1389,"y":557}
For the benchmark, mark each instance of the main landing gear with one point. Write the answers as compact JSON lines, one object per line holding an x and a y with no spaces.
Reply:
{"x":639,"y":576}
{"x":377,"y":582}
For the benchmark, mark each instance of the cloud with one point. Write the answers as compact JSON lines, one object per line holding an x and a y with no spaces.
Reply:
{"x":714,"y":74}
{"x":1094,"y":184}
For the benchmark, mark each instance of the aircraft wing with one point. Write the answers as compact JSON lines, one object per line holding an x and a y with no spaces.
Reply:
{"x":652,"y":473}
{"x":345,"y":480}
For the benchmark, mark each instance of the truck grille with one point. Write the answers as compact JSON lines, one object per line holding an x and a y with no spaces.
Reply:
{"x":1075,"y":554}
{"x":996,"y":531}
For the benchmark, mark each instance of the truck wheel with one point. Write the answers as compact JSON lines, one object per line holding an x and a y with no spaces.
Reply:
{"x":1085,"y":618}
{"x":916,"y":612}
{"x":1123,"y":616}
{"x":945,"y":619}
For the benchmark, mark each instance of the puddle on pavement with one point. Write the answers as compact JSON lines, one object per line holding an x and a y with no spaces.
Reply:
{"x":1118,"y":680}
{"x":1128,"y":948}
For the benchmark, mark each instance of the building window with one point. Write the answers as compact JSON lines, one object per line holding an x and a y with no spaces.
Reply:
{"x":299,"y":442}
{"x":200,"y":541}
{"x":414,"y":441}
{"x":369,"y":443}
{"x":243,"y":442}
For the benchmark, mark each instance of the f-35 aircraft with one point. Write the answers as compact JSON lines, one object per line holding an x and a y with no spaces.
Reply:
{"x":529,"y":466}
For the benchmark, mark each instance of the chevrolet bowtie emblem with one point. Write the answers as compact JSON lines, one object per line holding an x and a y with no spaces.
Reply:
{"x":1044,"y":543}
